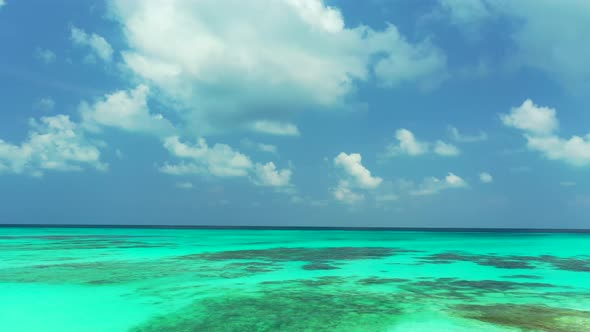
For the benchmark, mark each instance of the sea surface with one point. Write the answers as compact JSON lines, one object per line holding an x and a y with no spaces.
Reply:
{"x":148,"y":280}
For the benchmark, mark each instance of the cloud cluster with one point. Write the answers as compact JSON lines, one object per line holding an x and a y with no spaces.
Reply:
{"x":54,"y":143}
{"x":355,"y":176}
{"x":409,"y":145}
{"x":540,"y":127}
{"x":221,"y":160}
{"x":433,"y":185}
{"x":225,"y":73}
{"x":125,"y":110}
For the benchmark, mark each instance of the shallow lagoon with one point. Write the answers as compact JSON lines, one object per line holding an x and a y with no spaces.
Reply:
{"x":145,"y":280}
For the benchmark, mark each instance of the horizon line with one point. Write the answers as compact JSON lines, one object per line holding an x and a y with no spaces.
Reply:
{"x":295,"y":227}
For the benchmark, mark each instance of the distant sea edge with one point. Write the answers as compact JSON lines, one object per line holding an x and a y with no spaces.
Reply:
{"x":311,"y":228}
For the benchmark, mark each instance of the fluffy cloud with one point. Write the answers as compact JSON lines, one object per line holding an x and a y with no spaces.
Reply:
{"x":356,"y":176}
{"x":344,"y":193}
{"x":45,"y":55}
{"x":529,"y":117}
{"x":445,"y":149}
{"x":45,"y":104}
{"x":224,"y":73}
{"x":433,"y":185}
{"x":357,"y":173}
{"x":54,"y":143}
{"x":2,"y":3}
{"x":459,"y":137}
{"x":408,"y":144}
{"x":554,"y":48}
{"x":221,"y":160}
{"x":97,"y":43}
{"x":575,"y":151}
{"x":268,"y":175}
{"x":540,"y":126}
{"x":126,"y":110}
{"x":485,"y":177}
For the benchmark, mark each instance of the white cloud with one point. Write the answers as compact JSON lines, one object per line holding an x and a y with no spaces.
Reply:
{"x":45,"y":55}
{"x":224,"y":72}
{"x":538,"y":120}
{"x":356,"y":177}
{"x":344,"y":193}
{"x":446,"y":149}
{"x":268,"y":175}
{"x":97,"y":43}
{"x":184,"y":185}
{"x":357,"y":173}
{"x":433,"y":185}
{"x":575,"y":151}
{"x":2,"y":3}
{"x":540,"y":126}
{"x":275,"y":128}
{"x":485,"y":177}
{"x":408,"y":144}
{"x":54,"y":143}
{"x":45,"y":104}
{"x":126,"y":110}
{"x":219,"y":160}
{"x":457,"y":136}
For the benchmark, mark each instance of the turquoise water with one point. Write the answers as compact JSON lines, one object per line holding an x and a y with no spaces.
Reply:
{"x":144,"y":280}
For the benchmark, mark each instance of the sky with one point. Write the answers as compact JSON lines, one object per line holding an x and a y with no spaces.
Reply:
{"x":449,"y":113}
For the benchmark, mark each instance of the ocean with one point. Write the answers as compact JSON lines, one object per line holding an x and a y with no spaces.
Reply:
{"x":147,"y":280}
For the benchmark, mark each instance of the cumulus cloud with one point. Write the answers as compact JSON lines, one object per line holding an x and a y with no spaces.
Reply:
{"x":538,"y":120}
{"x":575,"y":151}
{"x":268,"y":175}
{"x":485,"y":177}
{"x":126,"y":110}
{"x":99,"y":46}
{"x":45,"y":55}
{"x":221,"y":160}
{"x":344,"y":193}
{"x":409,"y":145}
{"x":224,"y":72}
{"x":540,"y":127}
{"x":433,"y":185}
{"x":45,"y":104}
{"x":445,"y":149}
{"x":459,"y":137}
{"x":54,"y":143}
{"x":355,"y":171}
{"x":355,"y":177}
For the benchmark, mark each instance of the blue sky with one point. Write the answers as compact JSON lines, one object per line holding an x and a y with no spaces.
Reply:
{"x":465,"y":113}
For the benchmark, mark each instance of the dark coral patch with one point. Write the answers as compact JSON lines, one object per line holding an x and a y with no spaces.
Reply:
{"x":528,"y":317}
{"x":282,"y":310}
